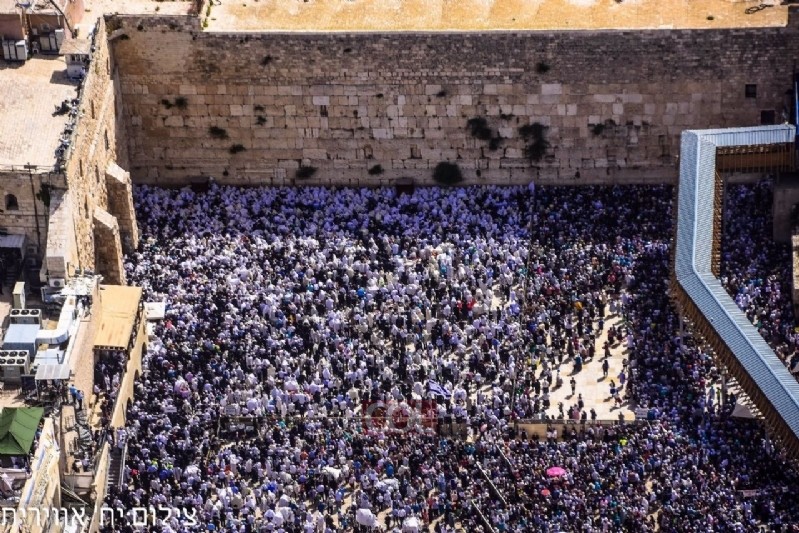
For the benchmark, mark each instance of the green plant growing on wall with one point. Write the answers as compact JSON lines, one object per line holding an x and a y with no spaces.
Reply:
{"x":112,"y":24}
{"x":478,"y":127}
{"x":44,"y":195}
{"x":266,"y":60}
{"x":494,"y":143}
{"x":181,"y":102}
{"x":305,"y":172}
{"x":236,"y":148}
{"x":260,"y":120}
{"x":259,"y":109}
{"x":541,"y":67}
{"x":218,"y":133}
{"x":599,"y":129}
{"x":442,"y":93}
{"x":447,"y":173}
{"x":166,"y":103}
{"x":375,"y":170}
{"x":537,"y":145}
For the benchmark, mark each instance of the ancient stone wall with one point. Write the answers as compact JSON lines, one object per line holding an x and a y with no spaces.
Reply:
{"x":252,"y":108}
{"x":24,"y":203}
{"x":71,"y":241}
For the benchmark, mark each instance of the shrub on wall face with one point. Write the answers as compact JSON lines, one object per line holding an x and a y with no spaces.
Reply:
{"x":478,"y":127}
{"x":537,"y":145}
{"x":218,"y":133}
{"x":305,"y":172}
{"x":447,"y":174}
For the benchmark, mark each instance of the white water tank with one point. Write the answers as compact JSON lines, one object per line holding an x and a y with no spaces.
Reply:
{"x":15,"y":50}
{"x":19,"y":295}
{"x":59,"y":37}
{"x":22,"y":50}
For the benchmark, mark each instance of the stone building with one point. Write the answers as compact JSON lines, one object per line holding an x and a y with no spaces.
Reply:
{"x":62,"y":181}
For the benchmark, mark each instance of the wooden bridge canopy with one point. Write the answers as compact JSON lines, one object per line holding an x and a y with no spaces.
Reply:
{"x":762,"y":375}
{"x":756,"y":158}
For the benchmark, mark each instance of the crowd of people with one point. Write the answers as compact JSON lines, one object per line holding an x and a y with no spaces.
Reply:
{"x":291,"y":313}
{"x":758,"y":276}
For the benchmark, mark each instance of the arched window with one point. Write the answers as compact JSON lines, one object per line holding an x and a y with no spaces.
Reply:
{"x":11,"y":203}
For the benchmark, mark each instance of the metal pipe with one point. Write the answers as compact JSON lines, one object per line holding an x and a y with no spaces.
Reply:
{"x":35,"y":208}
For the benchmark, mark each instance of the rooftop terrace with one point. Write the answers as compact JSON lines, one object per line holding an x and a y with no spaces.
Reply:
{"x":31,"y":91}
{"x":474,"y":15}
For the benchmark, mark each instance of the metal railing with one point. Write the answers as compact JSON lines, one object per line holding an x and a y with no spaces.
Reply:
{"x":482,"y":517}
{"x":122,"y":479}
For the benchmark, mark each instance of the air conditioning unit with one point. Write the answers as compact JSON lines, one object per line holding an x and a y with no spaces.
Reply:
{"x":58,"y":283}
{"x":14,"y":363}
{"x":25,"y":316}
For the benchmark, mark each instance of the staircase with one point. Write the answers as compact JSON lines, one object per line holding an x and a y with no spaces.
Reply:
{"x":115,"y":462}
{"x":85,"y":438}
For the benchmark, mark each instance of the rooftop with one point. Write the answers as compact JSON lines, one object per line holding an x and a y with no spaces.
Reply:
{"x":95,"y":8}
{"x":466,"y":15}
{"x":31,"y":91}
{"x":76,"y":46}
{"x":120,"y":305}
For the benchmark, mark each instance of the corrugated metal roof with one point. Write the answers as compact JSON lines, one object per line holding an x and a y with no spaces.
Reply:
{"x":13,"y":241}
{"x":693,"y":259}
{"x":50,"y":372}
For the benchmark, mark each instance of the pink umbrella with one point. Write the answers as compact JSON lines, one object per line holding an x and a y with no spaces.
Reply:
{"x":545,"y":492}
{"x":555,"y":471}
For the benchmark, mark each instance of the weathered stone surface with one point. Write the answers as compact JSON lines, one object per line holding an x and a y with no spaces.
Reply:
{"x":396,"y":97}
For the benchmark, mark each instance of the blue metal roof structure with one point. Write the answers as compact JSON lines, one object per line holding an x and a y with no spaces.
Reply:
{"x":693,"y":260}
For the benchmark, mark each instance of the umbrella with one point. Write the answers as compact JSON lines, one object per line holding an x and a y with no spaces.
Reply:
{"x":555,"y":471}
{"x":365,"y":517}
{"x":545,"y":492}
{"x":332,"y":472}
{"x":410,"y":525}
